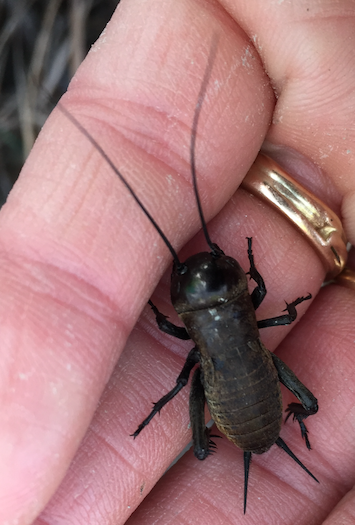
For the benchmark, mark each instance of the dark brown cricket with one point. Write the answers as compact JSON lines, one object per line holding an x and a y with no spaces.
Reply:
{"x":237,"y":376}
{"x":239,"y":379}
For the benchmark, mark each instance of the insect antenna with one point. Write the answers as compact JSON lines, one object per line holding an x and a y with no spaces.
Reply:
{"x":247,"y":461}
{"x":180,"y":267}
{"x":213,"y":50}
{"x":109,"y":161}
{"x":280,"y":443}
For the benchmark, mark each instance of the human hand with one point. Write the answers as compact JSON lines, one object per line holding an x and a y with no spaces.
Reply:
{"x":80,"y":260}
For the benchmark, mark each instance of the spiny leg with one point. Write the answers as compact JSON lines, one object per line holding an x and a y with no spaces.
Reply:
{"x":287,"y":318}
{"x":258,"y":294}
{"x":168,"y":327}
{"x":280,"y":443}
{"x":247,"y":461}
{"x":299,"y":413}
{"x":200,"y":433}
{"x":191,"y":360}
{"x":309,"y":402}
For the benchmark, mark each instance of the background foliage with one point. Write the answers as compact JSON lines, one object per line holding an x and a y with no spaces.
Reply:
{"x":42,"y":42}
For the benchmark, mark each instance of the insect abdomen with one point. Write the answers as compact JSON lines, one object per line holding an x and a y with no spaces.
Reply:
{"x":240,"y":380}
{"x":244,"y":397}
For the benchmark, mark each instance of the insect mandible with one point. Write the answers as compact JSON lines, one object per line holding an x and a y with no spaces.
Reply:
{"x":237,"y":376}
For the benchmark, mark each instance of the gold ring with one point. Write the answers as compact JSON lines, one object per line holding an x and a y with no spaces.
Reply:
{"x":320,"y":225}
{"x":346,"y":278}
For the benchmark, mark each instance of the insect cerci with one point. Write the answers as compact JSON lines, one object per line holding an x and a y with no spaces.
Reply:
{"x":235,"y":374}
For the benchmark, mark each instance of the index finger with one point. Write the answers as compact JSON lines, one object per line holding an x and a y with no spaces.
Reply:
{"x":79,"y":260}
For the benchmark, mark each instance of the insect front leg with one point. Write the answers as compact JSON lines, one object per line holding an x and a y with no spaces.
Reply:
{"x":200,"y":433}
{"x":309,"y":404}
{"x":192,"y":359}
{"x":258,"y":294}
{"x":287,"y":318}
{"x":166,"y":326}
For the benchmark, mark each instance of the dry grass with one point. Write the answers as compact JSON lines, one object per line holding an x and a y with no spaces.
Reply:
{"x":42,"y":42}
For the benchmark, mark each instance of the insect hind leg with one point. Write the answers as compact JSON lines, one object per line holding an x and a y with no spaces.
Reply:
{"x":309,"y":405}
{"x":299,"y":413}
{"x":203,"y":445}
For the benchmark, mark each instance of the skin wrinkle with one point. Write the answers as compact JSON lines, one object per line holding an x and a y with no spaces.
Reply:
{"x":87,"y":488}
{"x":149,"y":134}
{"x":96,"y":436}
{"x":186,"y":184}
{"x":95,"y":304}
{"x":166,"y":149}
{"x":57,"y":266}
{"x":79,"y":362}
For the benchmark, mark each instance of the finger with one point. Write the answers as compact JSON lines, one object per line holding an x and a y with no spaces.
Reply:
{"x":281,"y":265}
{"x":307,"y":49}
{"x":343,"y":512}
{"x":79,"y":259}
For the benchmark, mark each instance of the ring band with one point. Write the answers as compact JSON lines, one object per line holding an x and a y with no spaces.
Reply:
{"x":320,"y":225}
{"x":346,"y":278}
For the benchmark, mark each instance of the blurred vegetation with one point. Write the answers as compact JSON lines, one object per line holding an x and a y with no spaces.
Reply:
{"x":42,"y":42}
